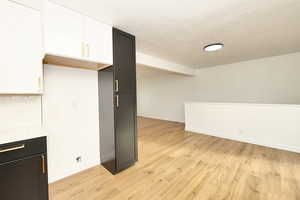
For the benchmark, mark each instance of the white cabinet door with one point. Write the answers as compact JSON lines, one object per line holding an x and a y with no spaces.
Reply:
{"x":20,"y":50}
{"x":63,"y":31}
{"x":98,"y":39}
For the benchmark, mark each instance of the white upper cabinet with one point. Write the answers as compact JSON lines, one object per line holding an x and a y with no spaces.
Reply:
{"x":63,"y":31}
{"x":21,"y":49}
{"x":98,"y":40}
{"x":36,"y":4}
{"x":72,"y":38}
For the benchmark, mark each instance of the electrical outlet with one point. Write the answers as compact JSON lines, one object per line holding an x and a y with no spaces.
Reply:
{"x":78,"y":159}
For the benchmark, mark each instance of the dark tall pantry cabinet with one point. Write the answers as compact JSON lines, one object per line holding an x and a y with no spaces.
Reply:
{"x":117,"y":106}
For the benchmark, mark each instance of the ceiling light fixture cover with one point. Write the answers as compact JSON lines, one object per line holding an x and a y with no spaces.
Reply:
{"x":213,"y":47}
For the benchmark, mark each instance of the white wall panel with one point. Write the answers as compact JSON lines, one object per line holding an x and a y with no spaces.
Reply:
{"x":70,"y":107}
{"x":263,"y":124}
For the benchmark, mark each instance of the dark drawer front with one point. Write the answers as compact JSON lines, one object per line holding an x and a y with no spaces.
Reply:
{"x":21,"y":149}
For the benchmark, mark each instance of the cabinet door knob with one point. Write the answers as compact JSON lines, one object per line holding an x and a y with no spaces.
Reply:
{"x":88,"y":50}
{"x":82,"y":49}
{"x":40,"y":84}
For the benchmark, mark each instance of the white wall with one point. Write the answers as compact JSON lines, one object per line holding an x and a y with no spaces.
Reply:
{"x":263,"y":124}
{"x":20,"y":117}
{"x":273,"y":80}
{"x":70,"y":110}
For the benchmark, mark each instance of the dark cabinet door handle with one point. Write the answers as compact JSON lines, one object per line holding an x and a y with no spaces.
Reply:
{"x":12,"y":148}
{"x":117,"y":100}
{"x":43,"y":164}
{"x":117,"y":86}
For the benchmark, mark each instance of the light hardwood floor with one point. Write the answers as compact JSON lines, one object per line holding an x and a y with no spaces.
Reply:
{"x":177,"y":165}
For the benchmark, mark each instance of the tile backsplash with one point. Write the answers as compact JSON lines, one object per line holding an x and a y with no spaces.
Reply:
{"x":19,"y":114}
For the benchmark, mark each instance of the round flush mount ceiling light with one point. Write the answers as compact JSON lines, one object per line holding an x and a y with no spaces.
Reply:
{"x":213,"y":47}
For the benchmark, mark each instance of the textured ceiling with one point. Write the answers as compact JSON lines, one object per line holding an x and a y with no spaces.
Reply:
{"x":177,"y":30}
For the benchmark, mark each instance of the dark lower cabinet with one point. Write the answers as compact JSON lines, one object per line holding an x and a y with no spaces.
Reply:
{"x":117,"y":106}
{"x":125,"y":131}
{"x":23,"y":174}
